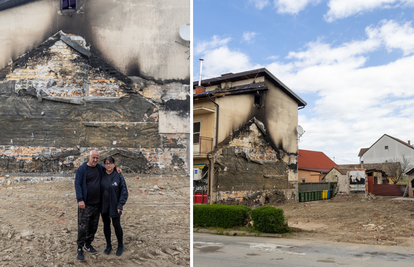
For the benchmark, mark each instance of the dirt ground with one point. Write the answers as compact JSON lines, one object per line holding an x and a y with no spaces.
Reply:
{"x":38,"y":224}
{"x":353,"y":219}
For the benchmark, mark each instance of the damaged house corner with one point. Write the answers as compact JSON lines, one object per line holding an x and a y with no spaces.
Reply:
{"x":245,"y":147}
{"x":59,"y":101}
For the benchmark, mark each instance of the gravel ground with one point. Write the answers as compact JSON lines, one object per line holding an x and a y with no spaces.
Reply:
{"x":38,"y":224}
{"x":354,"y":219}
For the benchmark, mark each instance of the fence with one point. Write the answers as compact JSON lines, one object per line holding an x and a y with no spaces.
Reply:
{"x":307,"y":187}
{"x":388,"y":190}
{"x":316,"y":191}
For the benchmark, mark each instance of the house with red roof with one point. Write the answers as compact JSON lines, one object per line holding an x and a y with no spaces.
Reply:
{"x":313,"y":166}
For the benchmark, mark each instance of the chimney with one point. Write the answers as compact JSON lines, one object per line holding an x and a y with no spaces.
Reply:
{"x":201,"y":67}
{"x":409,"y":143}
{"x":200,"y":89}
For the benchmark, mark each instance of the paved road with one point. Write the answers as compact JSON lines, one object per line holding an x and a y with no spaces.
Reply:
{"x":228,"y":251}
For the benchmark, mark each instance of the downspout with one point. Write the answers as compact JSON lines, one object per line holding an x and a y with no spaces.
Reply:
{"x":210,"y":172}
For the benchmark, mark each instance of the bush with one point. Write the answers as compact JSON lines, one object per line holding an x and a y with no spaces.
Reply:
{"x":269,"y":220}
{"x":220,"y":215}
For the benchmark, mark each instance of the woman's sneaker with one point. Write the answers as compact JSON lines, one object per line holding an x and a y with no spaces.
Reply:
{"x":120,"y":250}
{"x":108,"y":249}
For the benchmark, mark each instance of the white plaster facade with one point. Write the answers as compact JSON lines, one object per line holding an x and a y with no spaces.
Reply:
{"x":387,"y":149}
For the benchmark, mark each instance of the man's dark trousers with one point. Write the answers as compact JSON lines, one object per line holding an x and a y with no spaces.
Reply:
{"x":88,"y":220}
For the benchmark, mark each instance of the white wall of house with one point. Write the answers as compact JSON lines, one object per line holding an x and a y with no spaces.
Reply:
{"x":386,"y":149}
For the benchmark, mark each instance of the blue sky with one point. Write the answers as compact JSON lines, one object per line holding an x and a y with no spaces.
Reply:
{"x":352,"y":61}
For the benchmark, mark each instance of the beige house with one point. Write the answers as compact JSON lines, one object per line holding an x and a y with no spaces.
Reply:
{"x":349,"y":179}
{"x":245,"y":138}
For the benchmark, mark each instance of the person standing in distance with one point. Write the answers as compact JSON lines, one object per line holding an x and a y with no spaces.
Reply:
{"x":88,"y":187}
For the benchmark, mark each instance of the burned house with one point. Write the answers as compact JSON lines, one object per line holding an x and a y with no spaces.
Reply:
{"x":245,"y":140}
{"x":89,"y":84}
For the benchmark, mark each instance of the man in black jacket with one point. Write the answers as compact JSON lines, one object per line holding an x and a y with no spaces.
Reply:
{"x":87,"y":186}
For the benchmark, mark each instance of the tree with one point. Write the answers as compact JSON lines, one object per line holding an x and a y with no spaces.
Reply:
{"x":399,"y":170}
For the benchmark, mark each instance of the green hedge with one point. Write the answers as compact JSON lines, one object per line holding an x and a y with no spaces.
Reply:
{"x":220,"y":215}
{"x":269,"y":220}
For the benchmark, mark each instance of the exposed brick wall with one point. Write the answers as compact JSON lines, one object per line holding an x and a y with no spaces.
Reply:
{"x":247,"y":163}
{"x":61,"y":71}
{"x":57,"y":103}
{"x":27,"y":159}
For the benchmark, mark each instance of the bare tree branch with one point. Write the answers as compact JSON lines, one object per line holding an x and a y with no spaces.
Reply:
{"x":399,"y":171}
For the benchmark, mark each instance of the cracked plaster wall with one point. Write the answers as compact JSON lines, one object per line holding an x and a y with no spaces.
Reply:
{"x":247,"y":163}
{"x":57,"y":105}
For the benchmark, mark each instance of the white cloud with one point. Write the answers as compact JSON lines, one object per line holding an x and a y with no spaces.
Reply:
{"x":249,"y":36}
{"x":260,"y":4}
{"x":219,"y":58}
{"x":224,"y":60}
{"x":215,"y":41}
{"x":395,"y":36}
{"x":293,"y":6}
{"x":339,"y":9}
{"x":353,"y":105}
{"x":273,"y":57}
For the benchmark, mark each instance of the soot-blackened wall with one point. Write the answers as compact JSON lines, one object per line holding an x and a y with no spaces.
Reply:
{"x":247,"y":162}
{"x":58,"y":102}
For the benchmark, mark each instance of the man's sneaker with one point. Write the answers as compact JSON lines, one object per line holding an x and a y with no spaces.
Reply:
{"x":120,"y":250}
{"x":90,"y":249}
{"x":80,"y":254}
{"x":108,"y":249}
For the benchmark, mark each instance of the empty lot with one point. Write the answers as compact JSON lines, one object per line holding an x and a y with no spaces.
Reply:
{"x":38,"y":224}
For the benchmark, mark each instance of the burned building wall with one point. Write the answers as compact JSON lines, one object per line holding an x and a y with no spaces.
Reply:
{"x":278,"y":112}
{"x":136,"y":37}
{"x":57,"y":102}
{"x":247,"y":163}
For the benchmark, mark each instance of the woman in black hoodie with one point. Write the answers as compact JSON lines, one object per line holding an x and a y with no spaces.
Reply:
{"x":114,"y":195}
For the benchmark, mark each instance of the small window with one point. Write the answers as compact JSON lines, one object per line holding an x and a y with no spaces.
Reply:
{"x":303,"y":179}
{"x":68,"y":4}
{"x":196,"y":132}
{"x":258,"y":100}
{"x":386,"y":147}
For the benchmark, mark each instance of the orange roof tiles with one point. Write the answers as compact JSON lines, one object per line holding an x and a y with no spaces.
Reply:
{"x":314,"y":160}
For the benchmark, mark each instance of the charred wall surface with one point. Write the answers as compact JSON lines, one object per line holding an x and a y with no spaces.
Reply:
{"x":59,"y":101}
{"x":247,"y":163}
{"x":137,"y":37}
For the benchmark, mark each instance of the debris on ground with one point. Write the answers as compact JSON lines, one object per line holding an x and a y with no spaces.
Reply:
{"x":38,"y":224}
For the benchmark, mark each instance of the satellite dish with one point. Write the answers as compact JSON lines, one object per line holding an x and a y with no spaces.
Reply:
{"x":185,"y":32}
{"x":300,"y":130}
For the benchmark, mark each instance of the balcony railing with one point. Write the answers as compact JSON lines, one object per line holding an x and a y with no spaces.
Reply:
{"x":202,"y":145}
